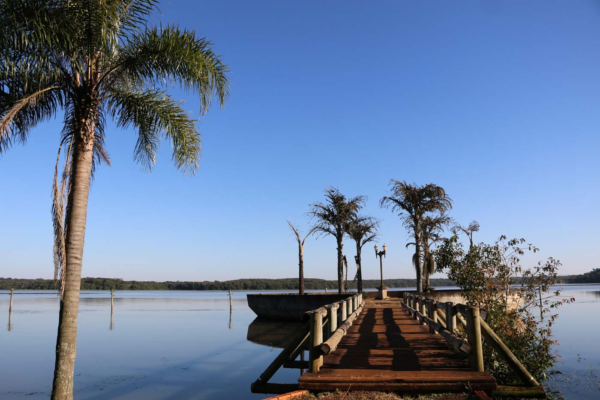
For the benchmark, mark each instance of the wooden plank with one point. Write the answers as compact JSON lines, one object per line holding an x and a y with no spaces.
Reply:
{"x":368,"y":375}
{"x":415,"y":388}
{"x":520,"y":392}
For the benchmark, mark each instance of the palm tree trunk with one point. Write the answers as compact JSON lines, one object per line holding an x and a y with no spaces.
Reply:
{"x":75,"y":223}
{"x":340,"y":266}
{"x":301,"y":268}
{"x":359,"y":266}
{"x":418,"y":266}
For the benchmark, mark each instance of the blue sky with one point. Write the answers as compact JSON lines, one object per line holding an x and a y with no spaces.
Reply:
{"x":498,"y":102}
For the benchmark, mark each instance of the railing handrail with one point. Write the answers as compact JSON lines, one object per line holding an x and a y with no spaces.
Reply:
{"x":473,"y":319}
{"x":343,"y":311}
{"x":313,"y":331}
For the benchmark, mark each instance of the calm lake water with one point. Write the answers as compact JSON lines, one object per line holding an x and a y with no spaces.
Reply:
{"x":184,"y":345}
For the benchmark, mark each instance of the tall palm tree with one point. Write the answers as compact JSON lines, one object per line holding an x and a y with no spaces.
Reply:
{"x":362,"y":230}
{"x":92,"y":60}
{"x":332,"y":217}
{"x":413,"y":203}
{"x":300,"y":255}
{"x":468,"y":230}
{"x":431,"y":228}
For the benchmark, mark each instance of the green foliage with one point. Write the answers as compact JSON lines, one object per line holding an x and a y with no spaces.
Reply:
{"x":238,"y":284}
{"x":589,"y":277}
{"x":522,"y":314}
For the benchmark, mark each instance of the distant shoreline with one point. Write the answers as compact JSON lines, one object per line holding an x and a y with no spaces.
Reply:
{"x":238,"y":284}
{"x":244,"y":284}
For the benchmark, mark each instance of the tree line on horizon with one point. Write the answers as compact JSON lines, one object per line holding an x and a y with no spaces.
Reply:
{"x":236,"y":284}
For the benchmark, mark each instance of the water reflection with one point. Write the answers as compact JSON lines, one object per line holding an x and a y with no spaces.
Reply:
{"x":184,"y":345}
{"x":272,"y":333}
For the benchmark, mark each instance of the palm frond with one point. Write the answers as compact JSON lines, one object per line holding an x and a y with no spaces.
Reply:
{"x":18,"y":118}
{"x":155,"y":114}
{"x":160,"y":55}
{"x":333,"y":216}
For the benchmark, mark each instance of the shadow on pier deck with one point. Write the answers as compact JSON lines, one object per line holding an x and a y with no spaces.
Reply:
{"x":386,"y":349}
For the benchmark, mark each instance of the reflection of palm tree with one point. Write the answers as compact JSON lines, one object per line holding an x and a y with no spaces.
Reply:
{"x":332,"y":218}
{"x":413,"y":203}
{"x":362,"y":230}
{"x":93,"y":60}
{"x":300,"y":255}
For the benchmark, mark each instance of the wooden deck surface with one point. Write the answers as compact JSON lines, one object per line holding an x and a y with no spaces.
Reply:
{"x":386,"y":349}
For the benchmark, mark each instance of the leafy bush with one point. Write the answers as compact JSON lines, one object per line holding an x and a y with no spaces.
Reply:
{"x":520,"y":302}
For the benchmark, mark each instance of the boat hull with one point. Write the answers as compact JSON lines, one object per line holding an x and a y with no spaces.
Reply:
{"x":289,"y":307}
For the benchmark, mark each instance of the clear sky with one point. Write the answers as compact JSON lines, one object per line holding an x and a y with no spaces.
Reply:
{"x":497,"y":102}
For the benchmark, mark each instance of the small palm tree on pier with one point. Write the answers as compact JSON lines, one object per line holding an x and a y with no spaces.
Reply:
{"x":93,"y":60}
{"x":413,"y":203}
{"x":332,"y":218}
{"x":301,"y":241}
{"x":431,"y":228}
{"x":362,"y":230}
{"x":468,"y":230}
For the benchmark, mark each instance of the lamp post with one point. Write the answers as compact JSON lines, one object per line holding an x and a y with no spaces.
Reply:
{"x":381,"y":254}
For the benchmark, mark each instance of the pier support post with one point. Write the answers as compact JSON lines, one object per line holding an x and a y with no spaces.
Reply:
{"x":474,"y":337}
{"x":316,"y":339}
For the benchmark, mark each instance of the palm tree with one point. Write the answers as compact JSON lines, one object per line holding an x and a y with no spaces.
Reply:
{"x":413,"y":203}
{"x":473,"y":227}
{"x":332,"y":218}
{"x":93,"y":60}
{"x":362,"y":230}
{"x":300,"y":255}
{"x":431,"y":228}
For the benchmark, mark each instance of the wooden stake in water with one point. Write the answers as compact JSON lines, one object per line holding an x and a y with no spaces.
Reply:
{"x":12,"y":293}
{"x":230,"y":309}
{"x":112,"y":307}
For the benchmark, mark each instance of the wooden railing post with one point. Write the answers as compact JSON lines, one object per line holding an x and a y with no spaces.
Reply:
{"x":332,"y":313}
{"x":450,"y":317}
{"x":474,"y":337}
{"x":349,"y":307}
{"x":431,"y":314}
{"x":316,"y":339}
{"x":423,"y":309}
{"x":344,"y":312}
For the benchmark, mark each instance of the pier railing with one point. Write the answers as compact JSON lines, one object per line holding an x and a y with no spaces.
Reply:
{"x":320,"y":335}
{"x":442,"y":318}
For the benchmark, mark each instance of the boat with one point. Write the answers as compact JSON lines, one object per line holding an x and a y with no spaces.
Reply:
{"x":289,"y":306}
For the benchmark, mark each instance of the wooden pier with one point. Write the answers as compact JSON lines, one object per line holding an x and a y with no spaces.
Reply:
{"x":386,"y":349}
{"x":415,"y":345}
